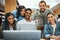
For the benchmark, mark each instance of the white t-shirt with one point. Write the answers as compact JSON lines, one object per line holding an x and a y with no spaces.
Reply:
{"x":54,"y":27}
{"x":25,"y":25}
{"x":11,"y":28}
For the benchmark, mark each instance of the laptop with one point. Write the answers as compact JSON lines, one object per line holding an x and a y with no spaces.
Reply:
{"x":21,"y":35}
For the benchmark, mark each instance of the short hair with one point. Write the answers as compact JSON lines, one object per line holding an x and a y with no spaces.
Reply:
{"x":50,"y":13}
{"x":42,"y":2}
{"x":29,"y":9}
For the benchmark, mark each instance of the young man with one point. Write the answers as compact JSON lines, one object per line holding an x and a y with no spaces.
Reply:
{"x":40,"y":15}
{"x":26,"y":23}
{"x":52,"y":28}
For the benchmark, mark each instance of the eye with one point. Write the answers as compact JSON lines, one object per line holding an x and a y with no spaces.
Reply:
{"x":40,"y":5}
{"x":51,"y":16}
{"x":26,"y":12}
{"x":43,"y":5}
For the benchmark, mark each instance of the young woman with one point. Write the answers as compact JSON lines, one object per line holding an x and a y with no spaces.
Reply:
{"x":52,"y":29}
{"x":10,"y":23}
{"x":20,"y":13}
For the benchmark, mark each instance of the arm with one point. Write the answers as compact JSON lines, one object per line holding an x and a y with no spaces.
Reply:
{"x":46,"y":33}
{"x":55,"y":37}
{"x":58,"y":33}
{"x":35,"y":15}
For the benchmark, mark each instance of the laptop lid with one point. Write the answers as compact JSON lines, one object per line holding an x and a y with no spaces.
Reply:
{"x":22,"y":35}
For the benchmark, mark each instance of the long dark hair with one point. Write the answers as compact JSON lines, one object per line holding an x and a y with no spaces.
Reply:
{"x":19,"y":11}
{"x":6,"y":23}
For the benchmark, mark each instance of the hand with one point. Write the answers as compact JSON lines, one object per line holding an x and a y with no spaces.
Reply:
{"x":57,"y":38}
{"x":53,"y":36}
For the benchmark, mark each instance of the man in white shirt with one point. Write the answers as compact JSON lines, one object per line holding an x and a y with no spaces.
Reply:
{"x":26,"y":23}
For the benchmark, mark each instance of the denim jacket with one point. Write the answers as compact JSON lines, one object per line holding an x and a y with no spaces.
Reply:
{"x":20,"y":18}
{"x":48,"y":30}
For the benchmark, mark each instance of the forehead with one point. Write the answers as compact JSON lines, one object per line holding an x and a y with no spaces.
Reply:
{"x":23,"y":9}
{"x":50,"y":15}
{"x":42,"y":4}
{"x":11,"y":16}
{"x":28,"y":11}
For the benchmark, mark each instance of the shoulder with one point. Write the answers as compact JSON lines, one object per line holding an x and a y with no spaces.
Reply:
{"x":21,"y":21}
{"x":58,"y":23}
{"x":48,"y":9}
{"x":37,"y":11}
{"x":33,"y":21}
{"x":47,"y":25}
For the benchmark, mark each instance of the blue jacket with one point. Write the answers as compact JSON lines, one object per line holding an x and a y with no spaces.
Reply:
{"x":48,"y":30}
{"x":20,"y":18}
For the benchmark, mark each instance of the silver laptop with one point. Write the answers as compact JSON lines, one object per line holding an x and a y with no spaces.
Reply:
{"x":22,"y":35}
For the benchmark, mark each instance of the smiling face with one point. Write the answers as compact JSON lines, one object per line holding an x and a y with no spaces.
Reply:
{"x":10,"y":19}
{"x":42,"y":6}
{"x":22,"y":12}
{"x":27,"y":14}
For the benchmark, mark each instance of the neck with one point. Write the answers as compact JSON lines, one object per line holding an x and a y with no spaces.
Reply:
{"x":53,"y":23}
{"x":10,"y":25}
{"x":27,"y":19}
{"x":42,"y":11}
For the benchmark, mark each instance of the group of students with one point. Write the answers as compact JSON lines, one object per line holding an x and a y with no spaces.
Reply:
{"x":24,"y":21}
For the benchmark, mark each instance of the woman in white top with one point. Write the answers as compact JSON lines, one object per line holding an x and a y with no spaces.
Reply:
{"x":9,"y":23}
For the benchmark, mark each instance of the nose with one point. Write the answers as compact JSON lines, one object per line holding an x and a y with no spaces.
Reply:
{"x":50,"y":18}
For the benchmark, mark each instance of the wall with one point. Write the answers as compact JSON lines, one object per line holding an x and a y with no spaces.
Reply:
{"x":10,"y":5}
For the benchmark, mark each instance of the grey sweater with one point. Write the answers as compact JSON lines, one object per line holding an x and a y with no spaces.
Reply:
{"x":41,"y":16}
